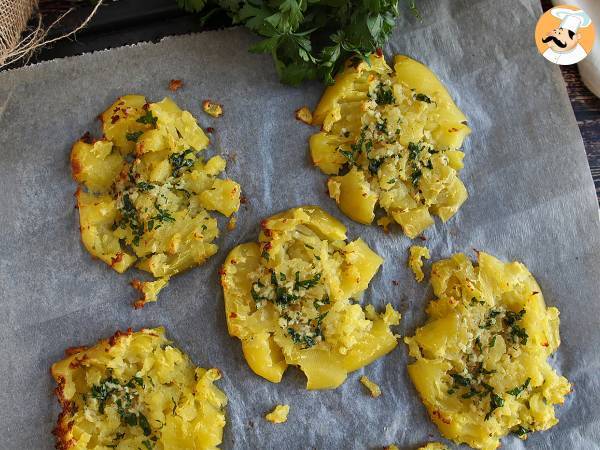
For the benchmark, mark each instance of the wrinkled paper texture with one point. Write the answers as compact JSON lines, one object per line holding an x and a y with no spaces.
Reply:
{"x":531,"y":199}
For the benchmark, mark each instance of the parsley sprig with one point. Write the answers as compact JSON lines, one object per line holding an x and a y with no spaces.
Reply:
{"x":310,"y":39}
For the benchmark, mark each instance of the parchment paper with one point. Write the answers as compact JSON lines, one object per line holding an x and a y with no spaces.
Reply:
{"x":531,"y":199}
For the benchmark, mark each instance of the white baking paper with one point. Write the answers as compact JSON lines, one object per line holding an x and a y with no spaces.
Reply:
{"x":531,"y":199}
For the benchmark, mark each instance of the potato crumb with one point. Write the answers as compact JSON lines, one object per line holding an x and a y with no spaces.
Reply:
{"x":212,"y":109}
{"x":385,"y":222}
{"x":415,"y":261}
{"x":279,"y":414}
{"x":373,"y":388}
{"x":304,"y":115}
{"x":232,"y":224}
{"x":149,"y":290}
{"x":175,"y":85}
{"x":434,"y":446}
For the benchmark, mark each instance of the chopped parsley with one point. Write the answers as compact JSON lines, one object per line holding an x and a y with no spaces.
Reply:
{"x":255,"y":295}
{"x":148,"y":119}
{"x":490,"y":319}
{"x":479,"y":370}
{"x":133,"y":137}
{"x":144,"y":187}
{"x":130,"y":218}
{"x":520,"y":430}
{"x":460,"y":380}
{"x":478,"y":344}
{"x":374,"y":165}
{"x":348,"y":155}
{"x":517,"y":390}
{"x":103,"y":391}
{"x":416,"y":176}
{"x":123,"y":396}
{"x":381,"y":126}
{"x":384,"y":95}
{"x":179,"y":161}
{"x":474,"y":301}
{"x":516,"y":331}
{"x":319,"y":303}
{"x":413,"y":151}
{"x":162,"y":215}
{"x":309,"y":339}
{"x":422,"y":98}
{"x":512,"y":317}
{"x":144,"y":424}
{"x":362,"y":144}
{"x":306,"y":284}
{"x":495,"y":402}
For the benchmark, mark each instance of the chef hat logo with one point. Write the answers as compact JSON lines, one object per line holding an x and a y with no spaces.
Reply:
{"x":565,"y":34}
{"x":570,"y":19}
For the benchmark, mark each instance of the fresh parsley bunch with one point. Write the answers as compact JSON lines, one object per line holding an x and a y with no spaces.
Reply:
{"x":310,"y":39}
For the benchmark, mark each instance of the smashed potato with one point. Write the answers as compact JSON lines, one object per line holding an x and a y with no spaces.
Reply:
{"x":481,"y":359}
{"x":391,"y":138}
{"x":136,"y":391}
{"x":146,"y":191}
{"x":292,"y":298}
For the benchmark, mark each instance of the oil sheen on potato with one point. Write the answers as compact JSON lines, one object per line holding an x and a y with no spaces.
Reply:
{"x":481,"y":359}
{"x":146,"y":191}
{"x":136,"y":391}
{"x":292,"y":299}
{"x":391,"y":138}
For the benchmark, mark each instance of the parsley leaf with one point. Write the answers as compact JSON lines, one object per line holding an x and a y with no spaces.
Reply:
{"x":148,"y":119}
{"x":133,"y":137}
{"x":422,"y":98}
{"x":310,"y":39}
{"x":179,"y":161}
{"x":516,"y":391}
{"x":192,"y":5}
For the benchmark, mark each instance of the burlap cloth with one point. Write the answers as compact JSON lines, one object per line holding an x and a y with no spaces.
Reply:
{"x":14,"y":15}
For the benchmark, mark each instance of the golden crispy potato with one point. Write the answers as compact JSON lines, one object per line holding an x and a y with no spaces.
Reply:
{"x":136,"y":391}
{"x":391,"y":138}
{"x":146,"y":191}
{"x":291,"y":299}
{"x":481,"y":359}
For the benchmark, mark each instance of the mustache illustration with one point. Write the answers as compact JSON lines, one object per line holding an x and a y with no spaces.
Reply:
{"x":556,"y":41}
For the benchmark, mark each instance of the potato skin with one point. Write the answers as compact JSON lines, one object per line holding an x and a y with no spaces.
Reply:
{"x":390,"y":138}
{"x":481,"y":358}
{"x":303,"y":251}
{"x":145,"y":191}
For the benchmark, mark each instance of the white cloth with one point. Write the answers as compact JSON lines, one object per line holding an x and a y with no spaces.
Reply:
{"x":589,"y":68}
{"x":573,"y":56}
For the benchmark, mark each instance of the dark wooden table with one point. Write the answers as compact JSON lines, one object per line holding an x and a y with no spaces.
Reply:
{"x":123,"y":22}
